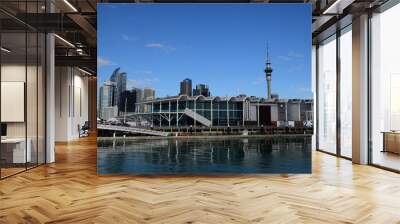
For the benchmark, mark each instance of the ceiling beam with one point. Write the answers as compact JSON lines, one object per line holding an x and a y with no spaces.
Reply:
{"x":86,"y":27}
{"x":77,"y":61}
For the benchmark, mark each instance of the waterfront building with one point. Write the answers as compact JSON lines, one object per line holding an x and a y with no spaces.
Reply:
{"x":240,"y":111}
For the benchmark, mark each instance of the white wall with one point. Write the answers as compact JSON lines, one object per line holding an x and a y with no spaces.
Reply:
{"x":61,"y":103}
{"x":33,"y":125}
{"x":12,"y":101}
{"x":293,"y":110}
{"x":12,"y":73}
{"x":80,"y":110}
{"x":274,"y":112}
{"x":71,"y":103}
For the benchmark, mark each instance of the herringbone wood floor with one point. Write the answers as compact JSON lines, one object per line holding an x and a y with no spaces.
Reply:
{"x":70,"y":191}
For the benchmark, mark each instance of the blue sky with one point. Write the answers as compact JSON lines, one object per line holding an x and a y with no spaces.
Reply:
{"x":222,"y":45}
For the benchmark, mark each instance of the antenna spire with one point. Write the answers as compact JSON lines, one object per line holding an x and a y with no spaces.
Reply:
{"x":268,"y":73}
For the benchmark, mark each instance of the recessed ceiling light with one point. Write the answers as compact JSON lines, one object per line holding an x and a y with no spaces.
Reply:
{"x":5,"y":50}
{"x":70,"y":5}
{"x":84,"y":71}
{"x":338,"y":6}
{"x":64,"y":40}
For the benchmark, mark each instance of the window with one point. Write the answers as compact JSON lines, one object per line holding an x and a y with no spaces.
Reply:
{"x":385,"y":88}
{"x":327,"y":95}
{"x":346,"y":92}
{"x":22,"y":77}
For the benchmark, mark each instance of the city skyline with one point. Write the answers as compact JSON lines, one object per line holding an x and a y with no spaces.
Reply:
{"x":153,"y":57}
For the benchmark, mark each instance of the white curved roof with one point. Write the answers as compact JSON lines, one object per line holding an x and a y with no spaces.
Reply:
{"x":200,"y":96}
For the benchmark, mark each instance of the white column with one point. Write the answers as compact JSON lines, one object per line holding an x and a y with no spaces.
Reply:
{"x":286,"y":105}
{"x":169,"y":113}
{"x":258,"y":114}
{"x":194,"y":103}
{"x":177,"y":113}
{"x":211,"y":113}
{"x":243,"y":112}
{"x":360,"y":90}
{"x":218,"y":114}
{"x":50,"y":98}
{"x":227,"y":110}
{"x":299,"y":111}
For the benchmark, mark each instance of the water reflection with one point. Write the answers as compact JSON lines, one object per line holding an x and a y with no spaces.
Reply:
{"x":207,"y":155}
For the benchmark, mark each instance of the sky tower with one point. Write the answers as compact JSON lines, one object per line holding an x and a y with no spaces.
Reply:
{"x":268,"y":73}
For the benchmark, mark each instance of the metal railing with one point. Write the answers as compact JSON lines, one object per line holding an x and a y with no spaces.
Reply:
{"x":131,"y":129}
{"x":197,"y":117}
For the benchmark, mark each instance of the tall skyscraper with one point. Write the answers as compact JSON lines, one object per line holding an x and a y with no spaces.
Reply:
{"x":119,"y":78}
{"x":268,"y":73}
{"x":201,"y":89}
{"x":139,"y":97}
{"x":148,"y":93}
{"x":186,"y":87}
{"x":127,"y":101}
{"x":107,"y":97}
{"x":139,"y":94}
